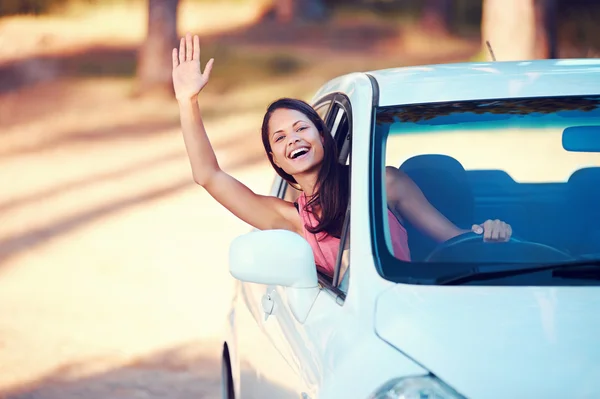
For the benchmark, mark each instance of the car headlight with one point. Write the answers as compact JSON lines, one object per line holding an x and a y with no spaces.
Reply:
{"x":425,"y":387}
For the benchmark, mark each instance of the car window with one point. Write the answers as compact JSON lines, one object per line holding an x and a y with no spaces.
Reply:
{"x":533,"y":163}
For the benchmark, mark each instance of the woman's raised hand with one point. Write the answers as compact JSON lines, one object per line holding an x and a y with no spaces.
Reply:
{"x":188,"y":79}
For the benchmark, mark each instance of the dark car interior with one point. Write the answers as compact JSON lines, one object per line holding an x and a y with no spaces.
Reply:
{"x":564,"y":216}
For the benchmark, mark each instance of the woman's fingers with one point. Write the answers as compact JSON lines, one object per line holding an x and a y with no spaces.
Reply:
{"x":175,"y":57}
{"x":182,"y":50}
{"x":196,"y":53}
{"x":208,"y":68}
{"x":487,"y":230}
{"x":477,"y":229}
{"x":189,"y":47}
{"x":494,"y":230}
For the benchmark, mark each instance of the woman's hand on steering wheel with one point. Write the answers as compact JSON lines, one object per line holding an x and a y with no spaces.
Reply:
{"x":493,"y":230}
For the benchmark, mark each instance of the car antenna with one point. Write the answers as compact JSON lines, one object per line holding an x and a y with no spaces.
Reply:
{"x":489,"y":46}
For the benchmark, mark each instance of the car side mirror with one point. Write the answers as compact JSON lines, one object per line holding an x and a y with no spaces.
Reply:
{"x":277,"y":257}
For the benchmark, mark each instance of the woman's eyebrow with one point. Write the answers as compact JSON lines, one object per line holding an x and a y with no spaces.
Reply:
{"x":281,"y":130}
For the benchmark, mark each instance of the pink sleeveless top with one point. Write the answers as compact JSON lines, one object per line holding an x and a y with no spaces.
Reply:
{"x":325,"y":247}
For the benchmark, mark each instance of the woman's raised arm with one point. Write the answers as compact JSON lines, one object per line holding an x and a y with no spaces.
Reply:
{"x":262,"y":212}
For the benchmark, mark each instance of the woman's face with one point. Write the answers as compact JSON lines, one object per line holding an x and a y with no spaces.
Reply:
{"x":296,"y":144}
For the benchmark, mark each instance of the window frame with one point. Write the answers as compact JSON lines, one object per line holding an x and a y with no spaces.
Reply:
{"x":344,"y":145}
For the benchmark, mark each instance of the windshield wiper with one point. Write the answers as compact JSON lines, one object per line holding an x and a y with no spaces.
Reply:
{"x":575,"y":269}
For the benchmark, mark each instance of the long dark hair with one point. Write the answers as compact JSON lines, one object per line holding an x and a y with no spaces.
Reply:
{"x":332,"y":187}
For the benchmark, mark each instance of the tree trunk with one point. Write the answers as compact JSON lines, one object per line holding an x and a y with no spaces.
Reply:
{"x":154,"y":59}
{"x":519,"y":29}
{"x":548,"y":27}
{"x":436,"y":16}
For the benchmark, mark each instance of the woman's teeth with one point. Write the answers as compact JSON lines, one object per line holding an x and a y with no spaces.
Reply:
{"x":297,"y":152}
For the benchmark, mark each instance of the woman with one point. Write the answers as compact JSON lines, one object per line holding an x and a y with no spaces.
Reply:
{"x":303,"y":152}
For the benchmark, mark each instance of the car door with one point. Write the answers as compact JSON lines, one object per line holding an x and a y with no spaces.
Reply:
{"x":257,"y":355}
{"x":302,"y":345}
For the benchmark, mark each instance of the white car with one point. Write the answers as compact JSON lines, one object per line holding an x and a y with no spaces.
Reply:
{"x":515,"y":141}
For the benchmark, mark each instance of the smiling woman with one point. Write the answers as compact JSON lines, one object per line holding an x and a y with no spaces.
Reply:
{"x":303,"y":152}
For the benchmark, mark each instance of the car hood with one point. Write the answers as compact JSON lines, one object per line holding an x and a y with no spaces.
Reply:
{"x":499,"y":342}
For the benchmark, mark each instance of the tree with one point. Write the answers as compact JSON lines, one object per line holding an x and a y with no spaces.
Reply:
{"x":435,"y":17}
{"x":520,"y":29}
{"x":154,"y":59}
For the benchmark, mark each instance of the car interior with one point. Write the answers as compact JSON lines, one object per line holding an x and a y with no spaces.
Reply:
{"x":560,"y":215}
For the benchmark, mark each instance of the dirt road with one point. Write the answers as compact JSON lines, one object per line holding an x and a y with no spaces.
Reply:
{"x":113,"y":264}
{"x":113,"y":273}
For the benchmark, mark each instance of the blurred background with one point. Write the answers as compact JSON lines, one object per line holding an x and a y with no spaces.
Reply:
{"x":113,"y":264}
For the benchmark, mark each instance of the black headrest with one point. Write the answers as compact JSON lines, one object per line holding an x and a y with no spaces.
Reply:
{"x":443,"y":181}
{"x":584,"y":184}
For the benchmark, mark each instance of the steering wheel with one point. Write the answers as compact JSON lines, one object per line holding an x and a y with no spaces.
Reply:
{"x":471,"y":248}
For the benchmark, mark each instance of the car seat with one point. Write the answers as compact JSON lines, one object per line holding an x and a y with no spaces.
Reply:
{"x":584,"y":211}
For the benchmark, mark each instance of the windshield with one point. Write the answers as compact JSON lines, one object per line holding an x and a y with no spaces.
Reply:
{"x":532,"y":163}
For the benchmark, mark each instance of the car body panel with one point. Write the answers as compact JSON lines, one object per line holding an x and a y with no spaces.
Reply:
{"x":473,"y":81}
{"x":523,"y":341}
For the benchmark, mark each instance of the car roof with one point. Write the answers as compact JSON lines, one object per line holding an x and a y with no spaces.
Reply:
{"x":476,"y":80}
{"x":485,"y":80}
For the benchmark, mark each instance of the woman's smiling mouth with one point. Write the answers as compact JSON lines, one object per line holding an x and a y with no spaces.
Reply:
{"x":299,"y":153}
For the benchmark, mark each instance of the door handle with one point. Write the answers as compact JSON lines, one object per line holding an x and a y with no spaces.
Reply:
{"x":267,"y":305}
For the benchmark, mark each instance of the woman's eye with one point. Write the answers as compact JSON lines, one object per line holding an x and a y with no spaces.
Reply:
{"x":278,"y":138}
{"x":302,"y":128}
